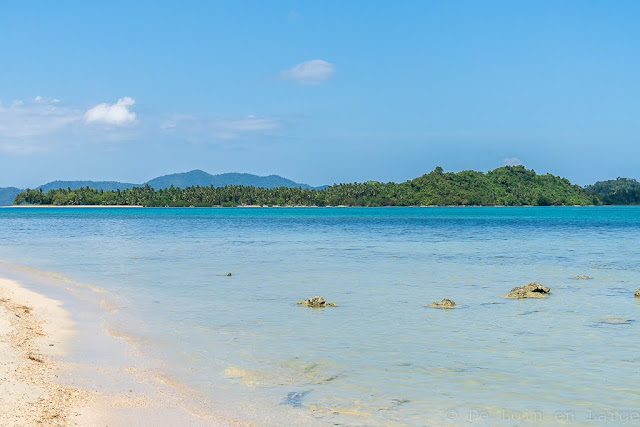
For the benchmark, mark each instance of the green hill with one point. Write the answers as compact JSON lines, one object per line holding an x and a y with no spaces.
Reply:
{"x":204,"y":179}
{"x":8,"y":195}
{"x":246,"y":179}
{"x":182,"y":180}
{"x":508,"y":186}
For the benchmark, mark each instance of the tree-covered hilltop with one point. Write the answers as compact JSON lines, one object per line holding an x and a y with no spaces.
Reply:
{"x":611,"y":186}
{"x":508,"y":185}
{"x":620,"y":191}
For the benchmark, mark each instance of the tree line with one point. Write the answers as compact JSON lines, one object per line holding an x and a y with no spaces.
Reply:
{"x":508,"y":186}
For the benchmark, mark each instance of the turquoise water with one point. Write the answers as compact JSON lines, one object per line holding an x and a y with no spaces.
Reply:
{"x":380,"y":357}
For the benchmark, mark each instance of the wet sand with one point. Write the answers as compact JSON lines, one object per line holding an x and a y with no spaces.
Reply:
{"x":35,"y":332}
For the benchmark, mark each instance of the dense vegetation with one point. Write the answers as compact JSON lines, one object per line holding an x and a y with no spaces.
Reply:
{"x":622,"y":197}
{"x":509,"y":185}
{"x":620,"y":191}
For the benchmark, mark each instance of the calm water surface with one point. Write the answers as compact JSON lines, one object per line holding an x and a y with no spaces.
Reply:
{"x":380,"y":357}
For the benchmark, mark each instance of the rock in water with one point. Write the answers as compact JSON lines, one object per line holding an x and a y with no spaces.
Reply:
{"x":638,"y":293}
{"x":295,"y":398}
{"x":316,"y":302}
{"x":530,"y":290}
{"x":445,"y":303}
{"x":583,"y":277}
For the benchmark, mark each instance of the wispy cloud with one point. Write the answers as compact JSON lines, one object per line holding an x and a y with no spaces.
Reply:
{"x":513,"y":161}
{"x":22,"y":123}
{"x":311,"y":72}
{"x":40,"y":98}
{"x":112,"y":114}
{"x":199,"y":127}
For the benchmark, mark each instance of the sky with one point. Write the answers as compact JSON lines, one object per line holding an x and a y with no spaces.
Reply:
{"x":317,"y":91}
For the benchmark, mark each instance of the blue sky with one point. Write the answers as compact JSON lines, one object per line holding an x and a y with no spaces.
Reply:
{"x":319,"y":92}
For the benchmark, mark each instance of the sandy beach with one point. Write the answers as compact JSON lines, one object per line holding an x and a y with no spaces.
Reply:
{"x":34,"y":330}
{"x":35,"y":333}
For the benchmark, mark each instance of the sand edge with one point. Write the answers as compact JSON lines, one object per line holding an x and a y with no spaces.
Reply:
{"x":34,"y":329}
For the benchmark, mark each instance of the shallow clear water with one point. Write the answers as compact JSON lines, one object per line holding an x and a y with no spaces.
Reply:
{"x":380,"y":356}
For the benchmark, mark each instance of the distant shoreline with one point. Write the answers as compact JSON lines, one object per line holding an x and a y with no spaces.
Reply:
{"x":292,"y":207}
{"x":72,"y":206}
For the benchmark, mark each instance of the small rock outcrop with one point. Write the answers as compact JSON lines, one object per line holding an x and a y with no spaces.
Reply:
{"x":530,"y":290}
{"x":581,"y":277}
{"x":316,"y":302}
{"x":638,"y":293}
{"x":445,"y":303}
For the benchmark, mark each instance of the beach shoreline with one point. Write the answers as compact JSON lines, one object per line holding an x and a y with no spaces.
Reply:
{"x":35,"y":329}
{"x":40,"y":386}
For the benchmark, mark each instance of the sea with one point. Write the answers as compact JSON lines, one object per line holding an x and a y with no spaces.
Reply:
{"x":381,"y":356}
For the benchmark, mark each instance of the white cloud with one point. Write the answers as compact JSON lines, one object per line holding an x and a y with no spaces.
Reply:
{"x":512,"y":161}
{"x":113,"y":114}
{"x":44,"y":123}
{"x":311,"y":72}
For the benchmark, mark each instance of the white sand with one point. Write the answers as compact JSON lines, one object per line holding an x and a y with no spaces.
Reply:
{"x":34,"y":332}
{"x":34,"y":329}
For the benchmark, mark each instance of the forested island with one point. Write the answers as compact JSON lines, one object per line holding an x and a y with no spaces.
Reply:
{"x":507,"y":186}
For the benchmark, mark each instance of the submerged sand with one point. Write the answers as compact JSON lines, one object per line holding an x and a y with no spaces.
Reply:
{"x":35,"y":331}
